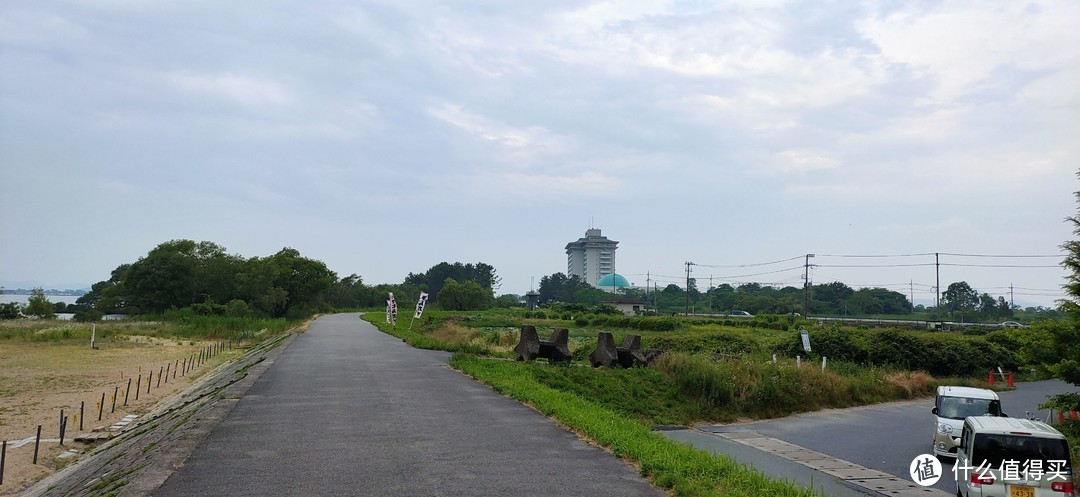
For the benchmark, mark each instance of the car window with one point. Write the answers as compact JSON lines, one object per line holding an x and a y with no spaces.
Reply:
{"x":960,"y":407}
{"x":992,"y":450}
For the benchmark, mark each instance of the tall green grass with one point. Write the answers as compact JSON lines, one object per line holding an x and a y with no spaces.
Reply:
{"x":421,"y":340}
{"x":682,"y":469}
{"x":759,"y":388}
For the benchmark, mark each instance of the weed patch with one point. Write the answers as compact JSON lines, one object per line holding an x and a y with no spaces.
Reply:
{"x":682,"y":469}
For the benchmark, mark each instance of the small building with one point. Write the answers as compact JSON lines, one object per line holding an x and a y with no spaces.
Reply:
{"x":627,"y":305}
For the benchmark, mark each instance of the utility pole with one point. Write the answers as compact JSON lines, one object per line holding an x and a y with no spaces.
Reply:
{"x":1012,"y":303}
{"x":806,"y":287}
{"x":688,"y":264}
{"x":911,"y":293}
{"x":710,"y":294}
{"x":937,"y":289}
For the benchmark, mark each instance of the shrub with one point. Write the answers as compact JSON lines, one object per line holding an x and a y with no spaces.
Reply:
{"x":88,"y":315}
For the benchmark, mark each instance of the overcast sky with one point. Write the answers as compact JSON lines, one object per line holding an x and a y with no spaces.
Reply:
{"x":384,"y":137}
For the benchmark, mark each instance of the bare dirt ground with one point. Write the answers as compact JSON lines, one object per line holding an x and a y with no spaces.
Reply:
{"x":38,"y":379}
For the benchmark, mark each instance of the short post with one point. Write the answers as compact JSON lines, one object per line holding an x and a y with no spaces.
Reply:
{"x":128,"y":391}
{"x":63,"y":425}
{"x":150,"y":380}
{"x":823,"y":364}
{"x":93,"y":335}
{"x":159,"y":371}
{"x":101,"y":406}
{"x":138,"y":386}
{"x":774,"y":358}
{"x":3,"y":459}
{"x":185,"y":367}
{"x":37,"y":442}
{"x":115,"y":392}
{"x":798,"y":361}
{"x":82,"y":404}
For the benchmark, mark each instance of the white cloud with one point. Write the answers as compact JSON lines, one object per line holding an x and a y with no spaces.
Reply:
{"x":959,"y":45}
{"x":239,"y":88}
{"x":512,"y":186}
{"x":801,"y":161}
{"x":518,"y":143}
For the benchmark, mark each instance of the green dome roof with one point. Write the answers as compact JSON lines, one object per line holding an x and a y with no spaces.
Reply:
{"x":613,"y":280}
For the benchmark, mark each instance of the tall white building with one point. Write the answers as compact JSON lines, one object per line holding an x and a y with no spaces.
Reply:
{"x":592,"y":257}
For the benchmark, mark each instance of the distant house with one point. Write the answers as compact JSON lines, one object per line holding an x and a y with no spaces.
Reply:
{"x":627,"y":305}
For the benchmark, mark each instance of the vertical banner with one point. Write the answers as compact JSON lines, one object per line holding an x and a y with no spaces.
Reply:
{"x":420,"y":305}
{"x":393,"y":309}
{"x":387,"y":312}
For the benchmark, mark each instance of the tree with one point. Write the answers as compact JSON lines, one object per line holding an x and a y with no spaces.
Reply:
{"x":433,"y":279}
{"x":960,"y":297}
{"x":39,"y":305}
{"x":466,"y":296}
{"x":1065,"y":337}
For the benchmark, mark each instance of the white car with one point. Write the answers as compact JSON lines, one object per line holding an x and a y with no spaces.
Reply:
{"x":1011,"y":457}
{"x":740,"y":314}
{"x":951,"y":406}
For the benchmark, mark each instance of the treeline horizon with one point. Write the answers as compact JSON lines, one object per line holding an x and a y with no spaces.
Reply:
{"x":205,"y":278}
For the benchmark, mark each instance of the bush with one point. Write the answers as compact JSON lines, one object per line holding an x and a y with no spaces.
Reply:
{"x":940,"y":354}
{"x":88,"y":315}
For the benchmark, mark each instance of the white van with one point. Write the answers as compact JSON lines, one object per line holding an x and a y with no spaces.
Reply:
{"x":1012,"y":457}
{"x":952,"y":405}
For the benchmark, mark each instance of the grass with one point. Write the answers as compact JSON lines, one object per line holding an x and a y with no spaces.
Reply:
{"x":682,"y":469}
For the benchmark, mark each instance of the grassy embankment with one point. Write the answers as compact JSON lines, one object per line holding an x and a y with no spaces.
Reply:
{"x":712,"y":372}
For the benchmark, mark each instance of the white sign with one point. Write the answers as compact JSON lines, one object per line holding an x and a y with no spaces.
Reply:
{"x":805,"y":340}
{"x":420,"y":304}
{"x":925,"y":470}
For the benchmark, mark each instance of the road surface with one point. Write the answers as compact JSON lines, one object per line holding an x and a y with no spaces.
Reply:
{"x":347,"y":410}
{"x":887,"y":437}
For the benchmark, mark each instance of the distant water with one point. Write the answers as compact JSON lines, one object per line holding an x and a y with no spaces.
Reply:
{"x":8,"y":298}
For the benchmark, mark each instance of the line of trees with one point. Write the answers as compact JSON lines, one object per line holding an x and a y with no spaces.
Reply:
{"x":204,"y":277}
{"x":835,"y":299}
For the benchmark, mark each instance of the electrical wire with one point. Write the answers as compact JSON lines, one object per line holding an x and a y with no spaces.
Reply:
{"x":749,"y":265}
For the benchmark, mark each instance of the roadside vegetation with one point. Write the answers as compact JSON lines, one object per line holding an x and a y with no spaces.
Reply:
{"x":712,"y":371}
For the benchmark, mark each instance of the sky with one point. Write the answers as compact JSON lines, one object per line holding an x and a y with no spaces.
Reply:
{"x":385,"y":137}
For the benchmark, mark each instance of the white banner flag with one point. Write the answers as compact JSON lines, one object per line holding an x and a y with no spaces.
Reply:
{"x":387,"y":312}
{"x":393,"y":308}
{"x":420,"y":304}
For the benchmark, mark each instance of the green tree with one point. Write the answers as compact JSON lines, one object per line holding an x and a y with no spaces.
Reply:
{"x":465,"y":296}
{"x":39,"y":305}
{"x":1064,"y":363}
{"x":433,"y":279}
{"x":960,"y":297}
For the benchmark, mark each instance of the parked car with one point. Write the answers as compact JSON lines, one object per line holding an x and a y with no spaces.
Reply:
{"x":740,"y":314}
{"x":1011,"y":324}
{"x":954,"y":404}
{"x":992,"y":448}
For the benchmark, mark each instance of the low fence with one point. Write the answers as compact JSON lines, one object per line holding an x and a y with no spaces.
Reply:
{"x":178,"y":368}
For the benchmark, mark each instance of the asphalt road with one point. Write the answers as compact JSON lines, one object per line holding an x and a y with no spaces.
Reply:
{"x":887,"y":437}
{"x":347,"y":410}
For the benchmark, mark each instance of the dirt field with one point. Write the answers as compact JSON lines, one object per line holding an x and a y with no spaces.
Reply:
{"x":38,"y":379}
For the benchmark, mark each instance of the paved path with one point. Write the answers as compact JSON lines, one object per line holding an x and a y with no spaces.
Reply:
{"x":347,"y":410}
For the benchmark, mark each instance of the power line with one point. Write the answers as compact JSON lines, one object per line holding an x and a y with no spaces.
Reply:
{"x":1000,"y":265}
{"x":749,"y":265}
{"x":1004,"y":256}
{"x":869,"y":256}
{"x":875,"y":265}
